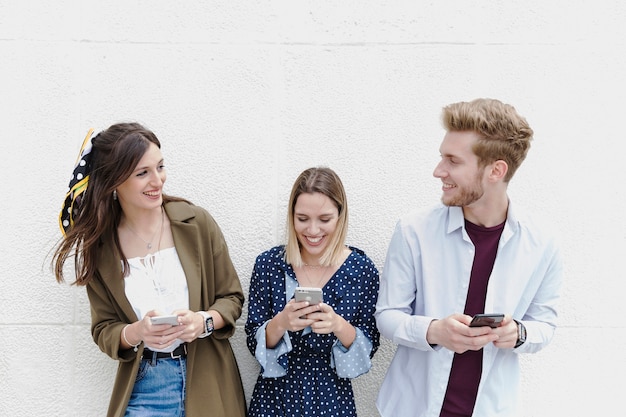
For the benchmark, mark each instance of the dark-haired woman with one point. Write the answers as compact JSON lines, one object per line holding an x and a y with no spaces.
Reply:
{"x":141,"y":253}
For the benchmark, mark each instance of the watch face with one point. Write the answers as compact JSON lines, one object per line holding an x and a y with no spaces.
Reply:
{"x":209,"y":324}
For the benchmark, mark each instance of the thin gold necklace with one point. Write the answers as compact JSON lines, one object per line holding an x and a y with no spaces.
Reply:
{"x":148,"y":244}
{"x":317,"y":284}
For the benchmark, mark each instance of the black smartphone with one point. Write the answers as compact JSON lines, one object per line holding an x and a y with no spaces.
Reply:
{"x":491,"y":320}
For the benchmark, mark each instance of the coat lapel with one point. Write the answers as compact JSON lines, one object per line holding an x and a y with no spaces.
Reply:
{"x":111,"y":270}
{"x":187,"y":242}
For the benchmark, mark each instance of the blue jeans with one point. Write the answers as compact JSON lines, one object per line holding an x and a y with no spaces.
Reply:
{"x":159,"y":389}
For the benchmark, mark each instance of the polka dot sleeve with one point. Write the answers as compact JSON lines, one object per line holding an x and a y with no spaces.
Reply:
{"x":268,"y":358}
{"x":350,"y":363}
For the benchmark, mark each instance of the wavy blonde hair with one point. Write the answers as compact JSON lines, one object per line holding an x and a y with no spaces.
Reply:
{"x":504,"y":134}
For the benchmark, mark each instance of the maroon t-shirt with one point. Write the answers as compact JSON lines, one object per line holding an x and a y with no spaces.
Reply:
{"x":467,"y":367}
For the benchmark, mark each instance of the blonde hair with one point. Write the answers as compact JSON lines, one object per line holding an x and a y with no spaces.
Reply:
{"x":504,"y":134}
{"x":324,"y":181}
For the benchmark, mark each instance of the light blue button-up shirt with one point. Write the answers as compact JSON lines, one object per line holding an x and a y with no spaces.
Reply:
{"x":426,"y":277}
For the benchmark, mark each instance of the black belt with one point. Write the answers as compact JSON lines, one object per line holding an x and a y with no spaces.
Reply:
{"x":179,"y":352}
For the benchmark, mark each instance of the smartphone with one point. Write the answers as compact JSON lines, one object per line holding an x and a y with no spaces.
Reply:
{"x":310,"y":294}
{"x":172,"y":320}
{"x":491,"y":320}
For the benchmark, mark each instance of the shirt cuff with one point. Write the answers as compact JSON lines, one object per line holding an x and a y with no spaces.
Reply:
{"x":268,"y":358}
{"x":355,"y":361}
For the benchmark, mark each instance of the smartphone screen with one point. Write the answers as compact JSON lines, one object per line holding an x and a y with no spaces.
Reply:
{"x":491,"y":320}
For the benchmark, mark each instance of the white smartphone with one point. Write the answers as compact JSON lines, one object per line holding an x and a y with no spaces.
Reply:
{"x":171,"y":320}
{"x":310,"y":294}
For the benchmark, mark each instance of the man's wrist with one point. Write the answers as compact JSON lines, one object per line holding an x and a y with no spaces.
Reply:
{"x":521,"y":334}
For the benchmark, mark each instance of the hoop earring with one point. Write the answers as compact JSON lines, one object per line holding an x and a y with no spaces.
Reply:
{"x":114,"y":194}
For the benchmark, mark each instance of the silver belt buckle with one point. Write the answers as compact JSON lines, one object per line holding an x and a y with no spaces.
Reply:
{"x":184,"y":345}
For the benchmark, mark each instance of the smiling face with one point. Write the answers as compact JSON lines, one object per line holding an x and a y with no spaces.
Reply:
{"x":143,"y":189}
{"x":315,"y":221}
{"x":458,"y":170}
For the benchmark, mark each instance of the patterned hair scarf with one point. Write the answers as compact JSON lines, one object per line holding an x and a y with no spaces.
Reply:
{"x":78,"y":184}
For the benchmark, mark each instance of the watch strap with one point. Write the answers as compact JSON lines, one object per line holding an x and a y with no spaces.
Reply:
{"x":521,"y":334}
{"x":208,"y":324}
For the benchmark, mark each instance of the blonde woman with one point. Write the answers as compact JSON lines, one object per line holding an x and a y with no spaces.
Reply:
{"x":309,"y":352}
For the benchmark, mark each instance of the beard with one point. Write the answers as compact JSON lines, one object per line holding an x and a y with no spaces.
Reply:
{"x":465,"y":198}
{"x":466,"y":195}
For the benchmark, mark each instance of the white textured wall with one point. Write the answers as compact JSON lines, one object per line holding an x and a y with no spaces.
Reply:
{"x":245,"y":95}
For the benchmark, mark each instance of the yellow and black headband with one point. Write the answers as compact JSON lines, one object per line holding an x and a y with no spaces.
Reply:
{"x":78,"y":184}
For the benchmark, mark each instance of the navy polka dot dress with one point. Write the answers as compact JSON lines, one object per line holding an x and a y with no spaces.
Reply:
{"x":309,"y":374}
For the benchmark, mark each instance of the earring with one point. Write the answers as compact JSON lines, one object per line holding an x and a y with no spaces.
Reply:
{"x":114,"y":194}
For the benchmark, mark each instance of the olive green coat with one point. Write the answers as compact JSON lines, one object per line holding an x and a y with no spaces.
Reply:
{"x":214,"y":387}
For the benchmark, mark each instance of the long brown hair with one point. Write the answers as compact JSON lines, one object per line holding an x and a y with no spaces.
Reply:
{"x":116,"y":152}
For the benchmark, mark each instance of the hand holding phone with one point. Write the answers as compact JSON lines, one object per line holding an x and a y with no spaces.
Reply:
{"x":310,"y":294}
{"x":169,"y":319}
{"x":491,"y":320}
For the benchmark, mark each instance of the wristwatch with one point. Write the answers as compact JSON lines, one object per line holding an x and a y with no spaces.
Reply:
{"x":208,"y":324}
{"x":521,"y":334}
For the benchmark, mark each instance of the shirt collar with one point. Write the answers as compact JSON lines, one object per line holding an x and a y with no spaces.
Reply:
{"x":457,"y":221}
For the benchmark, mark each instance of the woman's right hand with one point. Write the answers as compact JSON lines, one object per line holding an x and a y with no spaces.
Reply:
{"x":294,"y":315}
{"x":156,"y":336}
{"x":292,"y":318}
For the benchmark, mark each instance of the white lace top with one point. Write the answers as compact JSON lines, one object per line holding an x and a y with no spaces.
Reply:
{"x":157,"y":282}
